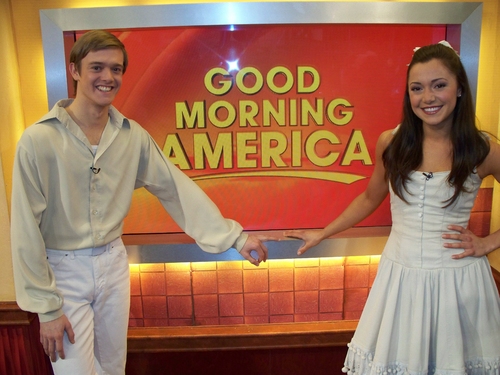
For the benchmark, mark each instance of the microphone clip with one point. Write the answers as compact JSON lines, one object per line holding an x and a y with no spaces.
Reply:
{"x":428,"y":176}
{"x":95,"y":170}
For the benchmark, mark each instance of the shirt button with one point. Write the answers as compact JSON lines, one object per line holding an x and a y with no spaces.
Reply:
{"x":95,"y":212}
{"x":420,"y":214}
{"x":421,"y":197}
{"x":421,"y":188}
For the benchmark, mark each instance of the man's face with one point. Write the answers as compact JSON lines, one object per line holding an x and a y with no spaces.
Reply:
{"x":100,"y":76}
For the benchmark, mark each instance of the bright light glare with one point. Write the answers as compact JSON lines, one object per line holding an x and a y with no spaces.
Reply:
{"x":232,"y":65}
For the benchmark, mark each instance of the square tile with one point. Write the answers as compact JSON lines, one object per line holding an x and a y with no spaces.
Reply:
{"x":230,"y":281}
{"x":331,"y":277}
{"x":230,"y":320}
{"x":136,"y":323}
{"x":178,"y":283}
{"x":204,"y":282}
{"x":306,"y":278}
{"x":153,"y":283}
{"x":208,"y":321}
{"x":373,"y":274}
{"x":357,"y":260}
{"x":231,"y":304}
{"x":306,"y":302}
{"x":352,"y":315}
{"x":280,"y":279}
{"x":281,"y":303}
{"x":136,"y":307}
{"x":249,"y":266}
{"x":281,"y":319}
{"x":135,"y":284}
{"x":155,"y":322}
{"x":257,"y":319}
{"x":306,"y":317}
{"x":355,"y":299}
{"x":256,"y":303}
{"x":206,"y":306}
{"x":331,"y":301}
{"x":152,"y":267}
{"x":134,"y":268}
{"x":230,"y":265}
{"x":357,"y":276}
{"x":179,"y":307}
{"x":180,"y":322}
{"x":154,"y":307}
{"x":255,"y":281}
{"x":281,"y":263}
{"x":332,"y":262}
{"x":306,"y":262}
{"x":178,"y":267}
{"x":330,"y":316}
{"x":203,"y":266}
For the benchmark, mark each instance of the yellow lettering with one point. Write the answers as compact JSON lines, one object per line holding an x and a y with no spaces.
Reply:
{"x":356,"y":150}
{"x":312,"y":143}
{"x":215,"y":109}
{"x":185,"y":118}
{"x":240,"y":81}
{"x":248,"y":111}
{"x":273,"y":145}
{"x":244,"y":149}
{"x":203,"y":150}
{"x":336,"y":115}
{"x":288,"y":80}
{"x":301,"y":72}
{"x":173,"y":150}
{"x":225,"y":83}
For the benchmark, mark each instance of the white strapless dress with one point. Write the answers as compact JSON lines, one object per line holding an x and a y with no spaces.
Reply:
{"x":428,"y":313}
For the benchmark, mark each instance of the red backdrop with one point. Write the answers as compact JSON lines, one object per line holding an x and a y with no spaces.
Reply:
{"x":292,"y":141}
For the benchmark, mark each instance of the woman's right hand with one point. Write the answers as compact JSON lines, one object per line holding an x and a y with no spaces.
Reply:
{"x":311,"y":237}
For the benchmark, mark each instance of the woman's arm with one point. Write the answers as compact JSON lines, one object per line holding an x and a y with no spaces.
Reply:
{"x":472,"y":244}
{"x":360,"y":208}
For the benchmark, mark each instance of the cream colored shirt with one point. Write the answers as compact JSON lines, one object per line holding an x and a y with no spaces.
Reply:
{"x":59,"y":203}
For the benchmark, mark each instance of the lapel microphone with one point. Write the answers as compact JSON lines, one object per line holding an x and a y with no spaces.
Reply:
{"x":95,"y":170}
{"x":428,"y":176}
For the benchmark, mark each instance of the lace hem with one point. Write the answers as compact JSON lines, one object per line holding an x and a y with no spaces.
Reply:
{"x":360,"y":362}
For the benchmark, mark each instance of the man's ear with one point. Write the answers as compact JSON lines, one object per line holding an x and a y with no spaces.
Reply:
{"x":73,"y":71}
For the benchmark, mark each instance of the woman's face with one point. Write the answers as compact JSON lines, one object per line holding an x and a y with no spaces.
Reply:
{"x":433,"y":92}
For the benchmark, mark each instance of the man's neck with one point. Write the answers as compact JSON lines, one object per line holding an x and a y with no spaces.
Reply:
{"x":88,"y":116}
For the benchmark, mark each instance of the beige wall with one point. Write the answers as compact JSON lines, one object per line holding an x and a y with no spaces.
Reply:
{"x":22,"y":82}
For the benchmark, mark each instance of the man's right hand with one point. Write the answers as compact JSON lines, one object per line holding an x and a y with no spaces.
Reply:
{"x":51,"y":336}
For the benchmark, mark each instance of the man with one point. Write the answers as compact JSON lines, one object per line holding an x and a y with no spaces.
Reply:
{"x":74,"y":174}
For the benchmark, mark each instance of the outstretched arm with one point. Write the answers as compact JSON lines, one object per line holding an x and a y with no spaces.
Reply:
{"x":360,"y":208}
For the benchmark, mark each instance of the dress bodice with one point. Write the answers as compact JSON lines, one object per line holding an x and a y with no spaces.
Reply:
{"x":418,"y":224}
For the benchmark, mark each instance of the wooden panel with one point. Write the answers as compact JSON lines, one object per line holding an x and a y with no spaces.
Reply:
{"x":252,"y":336}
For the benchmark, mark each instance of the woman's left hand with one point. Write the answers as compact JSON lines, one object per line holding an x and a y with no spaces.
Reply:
{"x":473,"y":245}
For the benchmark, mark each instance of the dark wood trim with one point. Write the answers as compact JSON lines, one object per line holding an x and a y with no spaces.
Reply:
{"x":11,"y":314}
{"x":241,"y":337}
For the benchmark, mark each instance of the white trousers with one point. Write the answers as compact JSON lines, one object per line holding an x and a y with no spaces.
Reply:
{"x":95,"y":284}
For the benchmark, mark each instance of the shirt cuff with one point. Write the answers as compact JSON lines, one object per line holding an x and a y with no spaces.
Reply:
{"x":47,"y":317}
{"x":240,"y":241}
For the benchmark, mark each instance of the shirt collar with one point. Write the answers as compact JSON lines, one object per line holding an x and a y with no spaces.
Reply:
{"x":58,"y":112}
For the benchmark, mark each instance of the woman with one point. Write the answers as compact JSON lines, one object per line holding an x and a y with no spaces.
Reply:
{"x":433,"y":307}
